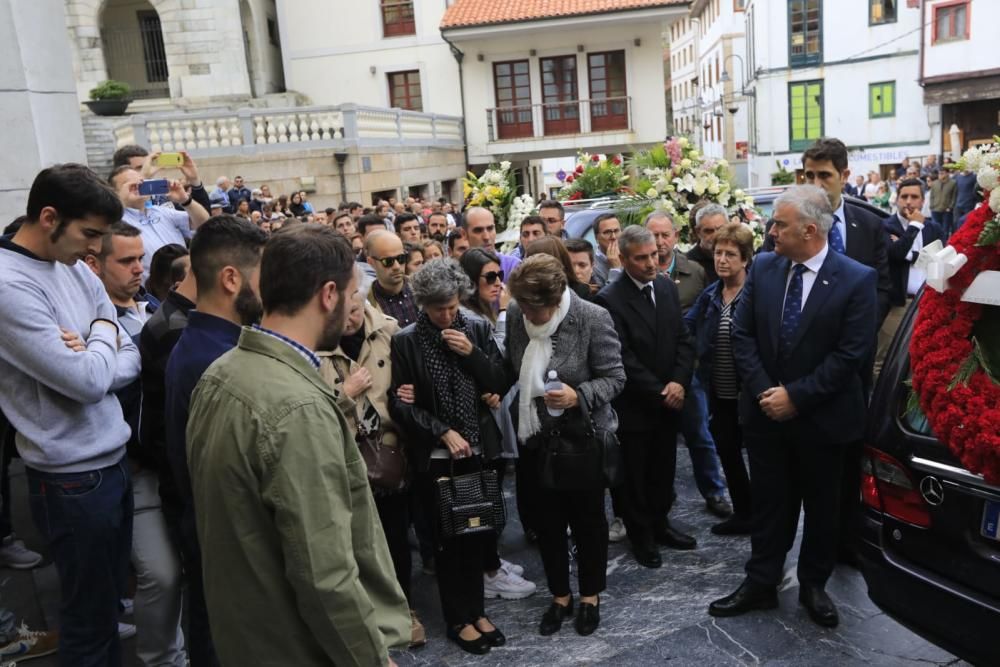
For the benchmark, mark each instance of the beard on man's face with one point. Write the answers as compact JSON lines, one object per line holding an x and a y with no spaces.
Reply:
{"x":439,"y":237}
{"x":248,"y":306}
{"x":335,"y":323}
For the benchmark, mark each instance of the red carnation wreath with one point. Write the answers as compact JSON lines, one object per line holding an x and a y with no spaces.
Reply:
{"x":955,"y":387}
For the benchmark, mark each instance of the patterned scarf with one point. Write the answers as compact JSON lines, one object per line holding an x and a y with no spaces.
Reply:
{"x":455,"y":390}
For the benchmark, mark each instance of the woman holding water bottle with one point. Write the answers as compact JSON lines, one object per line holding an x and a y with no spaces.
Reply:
{"x":551,"y":329}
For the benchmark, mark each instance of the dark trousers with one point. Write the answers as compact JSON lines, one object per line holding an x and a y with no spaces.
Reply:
{"x":201,"y":650}
{"x":459,"y":559}
{"x":728,"y":437}
{"x":786,"y":474}
{"x":7,"y":449}
{"x":394,"y":514}
{"x":583,"y":512}
{"x":944,"y":220}
{"x":491,"y":555}
{"x":86,"y":519}
{"x":850,"y":498}
{"x":650,"y":461}
{"x":526,"y":489}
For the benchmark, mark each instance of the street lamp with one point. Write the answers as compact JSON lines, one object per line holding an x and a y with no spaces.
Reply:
{"x":725,"y":78}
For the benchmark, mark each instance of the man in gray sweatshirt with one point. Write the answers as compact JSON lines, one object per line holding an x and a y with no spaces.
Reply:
{"x":62,"y":355}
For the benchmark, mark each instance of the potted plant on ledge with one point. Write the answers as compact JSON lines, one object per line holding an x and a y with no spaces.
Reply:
{"x":109,"y":98}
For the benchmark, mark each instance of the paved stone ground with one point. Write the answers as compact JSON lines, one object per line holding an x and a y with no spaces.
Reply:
{"x":648,"y":617}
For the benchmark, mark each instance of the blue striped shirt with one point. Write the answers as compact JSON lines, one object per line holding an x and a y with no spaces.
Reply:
{"x":306,"y":353}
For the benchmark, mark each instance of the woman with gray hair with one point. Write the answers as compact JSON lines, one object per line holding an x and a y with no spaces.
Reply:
{"x":455,"y":368}
{"x":551,"y":328}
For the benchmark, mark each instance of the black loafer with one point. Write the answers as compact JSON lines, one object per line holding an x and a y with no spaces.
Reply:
{"x":734,"y":525}
{"x":588,"y":617}
{"x":647,"y":555}
{"x":494,"y":638}
{"x":747,"y":597}
{"x":669,"y":537}
{"x":477,"y":646}
{"x":819,"y":605}
{"x":553,"y":618}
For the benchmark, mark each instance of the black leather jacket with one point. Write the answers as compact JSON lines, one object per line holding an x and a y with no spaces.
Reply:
{"x":420,"y":421}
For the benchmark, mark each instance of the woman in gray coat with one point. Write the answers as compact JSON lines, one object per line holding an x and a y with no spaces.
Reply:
{"x":550,"y":328}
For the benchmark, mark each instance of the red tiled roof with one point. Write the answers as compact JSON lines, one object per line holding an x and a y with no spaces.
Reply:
{"x":467,"y":13}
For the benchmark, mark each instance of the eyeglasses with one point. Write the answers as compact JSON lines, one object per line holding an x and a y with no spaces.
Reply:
{"x":492,"y":276}
{"x":387,"y":262}
{"x":611,"y":232}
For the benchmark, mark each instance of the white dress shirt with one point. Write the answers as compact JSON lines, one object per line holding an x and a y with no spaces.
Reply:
{"x":642,"y":285}
{"x":813,"y":265}
{"x":917,"y":276}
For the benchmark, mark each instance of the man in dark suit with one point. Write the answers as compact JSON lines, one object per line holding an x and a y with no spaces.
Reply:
{"x":909,"y":232}
{"x":803,"y":331}
{"x":659,"y":359}
{"x":858,"y":232}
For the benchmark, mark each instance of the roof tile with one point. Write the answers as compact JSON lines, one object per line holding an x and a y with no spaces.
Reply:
{"x":467,"y":13}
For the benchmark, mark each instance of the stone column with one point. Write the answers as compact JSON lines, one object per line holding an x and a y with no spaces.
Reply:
{"x":38,"y":99}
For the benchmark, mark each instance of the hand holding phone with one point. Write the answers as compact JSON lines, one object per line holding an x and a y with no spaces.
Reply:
{"x":169,"y":160}
{"x":156,"y":186}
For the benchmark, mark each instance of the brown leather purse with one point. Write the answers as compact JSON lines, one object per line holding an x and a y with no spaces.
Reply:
{"x":384,"y":458}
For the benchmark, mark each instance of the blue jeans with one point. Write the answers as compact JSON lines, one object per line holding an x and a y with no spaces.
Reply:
{"x":86,"y":519}
{"x":701,"y":447}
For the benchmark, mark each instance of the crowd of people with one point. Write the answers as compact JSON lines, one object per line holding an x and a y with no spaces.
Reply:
{"x":248,"y":405}
{"x":950,"y":195}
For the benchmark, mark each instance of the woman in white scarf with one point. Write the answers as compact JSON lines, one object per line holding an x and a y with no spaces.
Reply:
{"x":550,"y":328}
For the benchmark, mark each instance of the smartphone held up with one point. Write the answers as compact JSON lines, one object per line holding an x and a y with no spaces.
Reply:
{"x":157,"y":186}
{"x":169,"y":160}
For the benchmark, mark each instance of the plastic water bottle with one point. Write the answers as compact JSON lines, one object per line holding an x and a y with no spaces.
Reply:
{"x":553,"y":384}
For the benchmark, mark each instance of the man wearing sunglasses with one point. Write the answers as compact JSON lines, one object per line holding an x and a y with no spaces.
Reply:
{"x":390,"y":294}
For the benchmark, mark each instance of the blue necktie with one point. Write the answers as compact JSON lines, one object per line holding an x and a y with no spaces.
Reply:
{"x":836,"y":238}
{"x":793,"y":308}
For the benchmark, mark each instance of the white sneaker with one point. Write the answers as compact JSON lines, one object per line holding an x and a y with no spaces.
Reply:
{"x":616,"y":531}
{"x":125,"y":630}
{"x":14,"y":554}
{"x":128,"y":606}
{"x":512,"y":568}
{"x":507,"y":585}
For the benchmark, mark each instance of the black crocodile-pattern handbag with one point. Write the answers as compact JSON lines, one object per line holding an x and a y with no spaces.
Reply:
{"x":470,"y":504}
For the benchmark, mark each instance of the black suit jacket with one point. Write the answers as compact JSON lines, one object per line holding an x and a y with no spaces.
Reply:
{"x":899,"y":252}
{"x":822,"y":368}
{"x":656,"y":349}
{"x":867,"y":243}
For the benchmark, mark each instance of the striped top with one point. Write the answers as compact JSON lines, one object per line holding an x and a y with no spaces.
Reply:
{"x":725,"y":380}
{"x":304,"y":351}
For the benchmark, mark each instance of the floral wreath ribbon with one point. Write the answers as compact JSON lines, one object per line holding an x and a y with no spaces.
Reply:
{"x":939,"y":263}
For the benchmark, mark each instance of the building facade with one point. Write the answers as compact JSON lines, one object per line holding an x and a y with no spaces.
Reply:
{"x":544,"y":80}
{"x":385,"y":53}
{"x":845,"y":68}
{"x":960,"y":70}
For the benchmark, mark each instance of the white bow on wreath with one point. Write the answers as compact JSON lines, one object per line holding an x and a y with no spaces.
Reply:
{"x":940,"y":263}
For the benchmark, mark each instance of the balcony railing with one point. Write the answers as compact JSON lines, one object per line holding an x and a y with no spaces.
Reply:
{"x":248,"y":131}
{"x":559,"y":118}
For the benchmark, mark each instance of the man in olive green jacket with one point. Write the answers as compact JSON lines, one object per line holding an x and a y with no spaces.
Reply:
{"x":296,"y":567}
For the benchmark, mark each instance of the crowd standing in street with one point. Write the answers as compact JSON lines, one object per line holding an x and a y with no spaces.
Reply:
{"x":250,"y":401}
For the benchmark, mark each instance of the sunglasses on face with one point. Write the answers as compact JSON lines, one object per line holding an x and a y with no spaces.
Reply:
{"x":492,"y":276}
{"x":387,"y":262}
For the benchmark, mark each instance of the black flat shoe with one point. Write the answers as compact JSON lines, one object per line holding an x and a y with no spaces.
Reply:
{"x":734,"y":525}
{"x":588,"y":617}
{"x":477,"y":646}
{"x":647,"y":555}
{"x":670,"y":537}
{"x":553,"y":618}
{"x":819,"y":605}
{"x":748,"y":596}
{"x":494,"y":637}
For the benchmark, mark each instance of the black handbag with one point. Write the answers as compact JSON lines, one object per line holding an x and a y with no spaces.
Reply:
{"x":470,"y":504}
{"x":577,"y":455}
